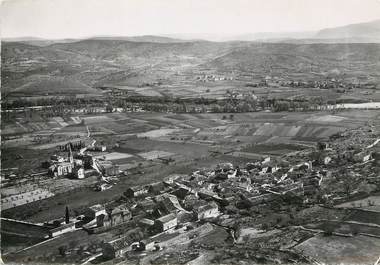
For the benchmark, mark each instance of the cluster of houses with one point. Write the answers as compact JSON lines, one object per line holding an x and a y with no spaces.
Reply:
{"x":206,"y":195}
{"x":213,"y":78}
{"x":329,"y":83}
{"x":184,"y":201}
{"x":332,"y":83}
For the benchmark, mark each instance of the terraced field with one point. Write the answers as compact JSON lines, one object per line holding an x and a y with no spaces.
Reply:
{"x":187,"y":135}
{"x":37,"y":124}
{"x":342,"y":250}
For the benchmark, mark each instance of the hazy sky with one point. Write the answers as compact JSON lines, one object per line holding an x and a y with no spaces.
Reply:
{"x":83,"y":18}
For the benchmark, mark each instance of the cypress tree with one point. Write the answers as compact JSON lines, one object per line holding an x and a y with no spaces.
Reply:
{"x":67,"y":216}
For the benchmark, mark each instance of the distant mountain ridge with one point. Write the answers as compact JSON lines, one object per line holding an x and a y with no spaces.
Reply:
{"x":38,"y":41}
{"x":367,"y":32}
{"x":144,"y":38}
{"x":46,"y":42}
{"x":69,"y":66}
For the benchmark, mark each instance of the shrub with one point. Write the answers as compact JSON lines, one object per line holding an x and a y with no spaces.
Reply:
{"x":328,"y":229}
{"x":62,"y":250}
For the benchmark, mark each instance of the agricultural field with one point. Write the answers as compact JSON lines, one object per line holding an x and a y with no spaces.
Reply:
{"x":273,"y":149}
{"x":190,"y":135}
{"x":191,"y":89}
{"x":342,"y":250}
{"x":155,"y":154}
{"x":114,"y":156}
{"x":369,"y":203}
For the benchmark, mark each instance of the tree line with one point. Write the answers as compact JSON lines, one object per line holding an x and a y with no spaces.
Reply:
{"x":231,"y":103}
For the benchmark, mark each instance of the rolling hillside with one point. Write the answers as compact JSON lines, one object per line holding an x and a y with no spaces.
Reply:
{"x":51,"y":85}
{"x":301,"y":57}
{"x":110,"y":49}
{"x":77,"y":66}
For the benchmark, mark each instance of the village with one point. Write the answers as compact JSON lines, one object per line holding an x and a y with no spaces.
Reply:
{"x":190,"y":132}
{"x":330,"y":190}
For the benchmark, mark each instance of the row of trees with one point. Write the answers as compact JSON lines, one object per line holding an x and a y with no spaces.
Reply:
{"x":233,"y":103}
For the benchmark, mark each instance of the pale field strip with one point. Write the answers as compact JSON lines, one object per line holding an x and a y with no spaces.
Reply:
{"x":60,"y":121}
{"x":76,"y":119}
{"x":149,"y":92}
{"x":166,"y":119}
{"x":369,"y":105}
{"x":97,"y":119}
{"x":327,"y":118}
{"x":277,"y":129}
{"x":155,"y":154}
{"x":157,"y":133}
{"x":256,"y":233}
{"x":114,"y":156}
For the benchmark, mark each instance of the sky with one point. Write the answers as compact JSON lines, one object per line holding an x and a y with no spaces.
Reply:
{"x":54,"y":19}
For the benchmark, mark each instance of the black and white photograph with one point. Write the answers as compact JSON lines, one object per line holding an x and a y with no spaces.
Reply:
{"x":190,"y":132}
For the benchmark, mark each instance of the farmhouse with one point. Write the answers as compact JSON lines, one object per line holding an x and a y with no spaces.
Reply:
{"x":209,"y":210}
{"x":94,"y":211}
{"x":169,"y":204}
{"x":117,"y":247}
{"x":181,"y":192}
{"x":166,"y":222}
{"x":108,"y":168}
{"x":206,"y":194}
{"x":255,"y":200}
{"x":157,"y":188}
{"x":171,"y":178}
{"x":116,"y":216}
{"x":135,"y":191}
{"x":146,"y":206}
